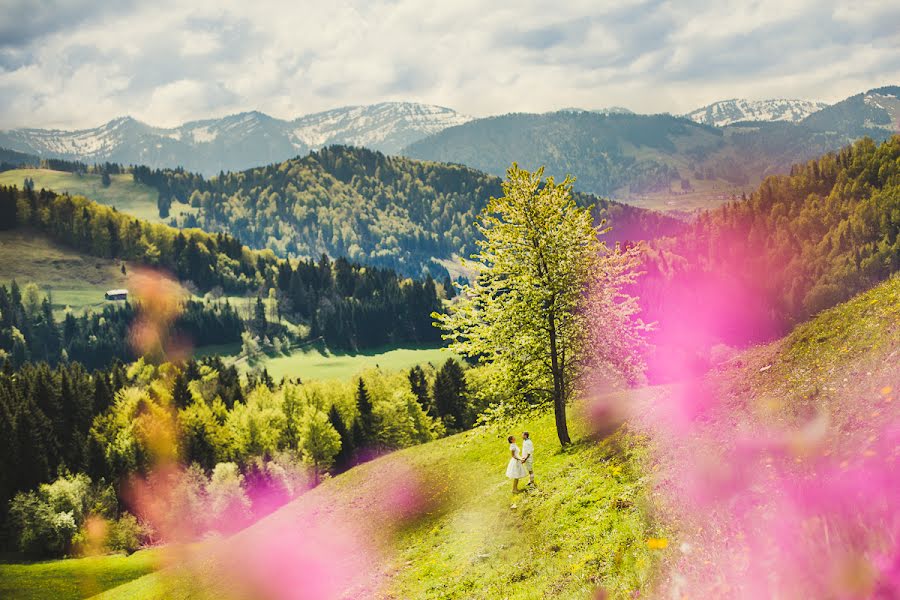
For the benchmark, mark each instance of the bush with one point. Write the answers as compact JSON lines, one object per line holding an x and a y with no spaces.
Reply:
{"x":45,"y":522}
{"x":125,"y":535}
{"x":38,"y":530}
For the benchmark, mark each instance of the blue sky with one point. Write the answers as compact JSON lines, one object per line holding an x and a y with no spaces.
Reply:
{"x":77,"y":63}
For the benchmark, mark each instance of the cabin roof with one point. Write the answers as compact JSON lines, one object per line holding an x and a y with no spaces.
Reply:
{"x":117,"y":292}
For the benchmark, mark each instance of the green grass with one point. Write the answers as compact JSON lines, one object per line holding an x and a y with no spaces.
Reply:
{"x":315,"y":362}
{"x":836,"y":363}
{"x":585,"y":525}
{"x":73,"y":578}
{"x":123,"y":193}
{"x":74,"y":279}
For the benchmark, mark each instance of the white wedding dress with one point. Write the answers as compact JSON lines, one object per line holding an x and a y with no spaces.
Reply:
{"x":515,"y":469}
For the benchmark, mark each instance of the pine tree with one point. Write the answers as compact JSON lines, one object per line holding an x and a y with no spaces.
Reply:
{"x":181,"y":395}
{"x":260,"y":324}
{"x":366,"y":416}
{"x":343,"y":458}
{"x":450,"y":394}
{"x":103,"y":395}
{"x":419,"y":386}
{"x":449,"y":288}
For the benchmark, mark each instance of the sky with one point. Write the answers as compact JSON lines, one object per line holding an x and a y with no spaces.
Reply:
{"x":76,"y":63}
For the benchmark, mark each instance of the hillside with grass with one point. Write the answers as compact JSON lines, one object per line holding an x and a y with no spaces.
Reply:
{"x":123,"y":193}
{"x":597,"y":516}
{"x":71,"y":278}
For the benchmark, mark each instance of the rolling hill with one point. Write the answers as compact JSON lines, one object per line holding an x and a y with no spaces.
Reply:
{"x":380,"y":210}
{"x":875,"y":113}
{"x":123,"y":193}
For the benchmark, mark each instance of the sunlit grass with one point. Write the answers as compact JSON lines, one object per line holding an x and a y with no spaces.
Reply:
{"x":585,"y":525}
{"x":123,"y":193}
{"x":315,"y":362}
{"x":73,"y":578}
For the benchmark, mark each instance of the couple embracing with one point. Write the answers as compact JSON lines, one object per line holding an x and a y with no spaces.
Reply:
{"x":521,"y":463}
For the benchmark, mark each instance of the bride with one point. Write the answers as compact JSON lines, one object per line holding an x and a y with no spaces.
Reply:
{"x":515,"y":470}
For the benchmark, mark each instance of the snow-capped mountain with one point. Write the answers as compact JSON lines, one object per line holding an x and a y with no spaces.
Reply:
{"x":87,"y":144}
{"x":388,"y":126}
{"x":238,"y":141}
{"x":735,"y":110}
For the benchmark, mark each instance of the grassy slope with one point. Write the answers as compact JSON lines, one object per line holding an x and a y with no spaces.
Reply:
{"x":123,"y":193}
{"x":74,"y":279}
{"x":584,"y":525}
{"x":75,"y":578}
{"x":588,"y":520}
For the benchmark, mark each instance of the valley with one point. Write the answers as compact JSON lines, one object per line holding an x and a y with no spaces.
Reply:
{"x":360,"y":300}
{"x":587,"y":518}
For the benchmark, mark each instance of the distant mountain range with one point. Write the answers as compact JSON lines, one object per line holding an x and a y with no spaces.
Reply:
{"x":628,"y":155}
{"x":613,"y":151}
{"x":237,"y":141}
{"x":727,"y":112}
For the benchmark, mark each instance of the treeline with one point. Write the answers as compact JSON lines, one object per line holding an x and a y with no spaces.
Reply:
{"x":10,"y":159}
{"x":379,"y":210}
{"x":30,"y":332}
{"x":799,"y":244}
{"x":113,"y":423}
{"x":349,"y":305}
{"x":171,"y":184}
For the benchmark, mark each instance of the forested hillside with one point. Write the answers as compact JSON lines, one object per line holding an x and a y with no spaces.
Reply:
{"x":801,"y":243}
{"x":94,"y":430}
{"x":875,"y":113}
{"x":375,"y":209}
{"x":30,"y":332}
{"x":348,"y":305}
{"x":623,"y":156}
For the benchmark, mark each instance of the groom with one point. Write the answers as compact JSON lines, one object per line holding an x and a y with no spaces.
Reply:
{"x":528,"y":455}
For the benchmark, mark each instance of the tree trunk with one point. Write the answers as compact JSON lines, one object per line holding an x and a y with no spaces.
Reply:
{"x":559,"y":397}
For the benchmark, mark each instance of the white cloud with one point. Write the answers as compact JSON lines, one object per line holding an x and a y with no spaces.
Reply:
{"x":75,"y":65}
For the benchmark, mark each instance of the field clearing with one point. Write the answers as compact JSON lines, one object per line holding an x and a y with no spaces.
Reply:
{"x":317,"y":363}
{"x":705,"y":194}
{"x":73,"y":279}
{"x":124,"y":193}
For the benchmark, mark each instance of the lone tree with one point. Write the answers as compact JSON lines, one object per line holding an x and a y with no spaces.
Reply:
{"x":524,"y":311}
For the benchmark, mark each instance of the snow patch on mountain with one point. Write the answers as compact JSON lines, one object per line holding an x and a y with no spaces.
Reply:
{"x":388,"y":126}
{"x":890,"y":105}
{"x":735,"y":110}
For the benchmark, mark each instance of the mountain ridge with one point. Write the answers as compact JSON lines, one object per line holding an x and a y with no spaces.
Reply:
{"x":237,"y":141}
{"x":737,"y":110}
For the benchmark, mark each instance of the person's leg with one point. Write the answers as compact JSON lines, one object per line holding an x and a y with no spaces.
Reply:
{"x":515,"y":485}
{"x":531,"y":475}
